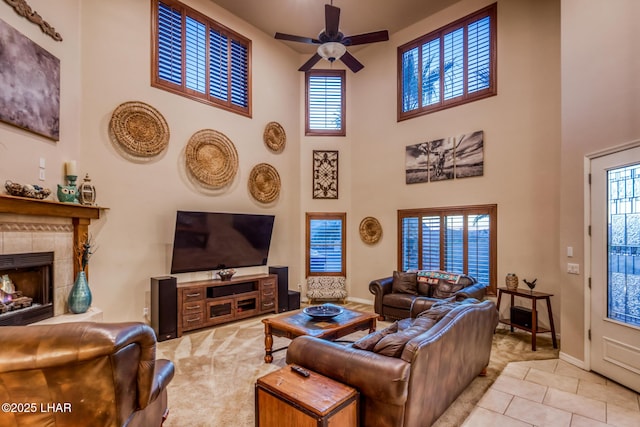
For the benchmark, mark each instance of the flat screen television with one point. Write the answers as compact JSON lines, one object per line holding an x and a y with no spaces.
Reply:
{"x":213,"y":241}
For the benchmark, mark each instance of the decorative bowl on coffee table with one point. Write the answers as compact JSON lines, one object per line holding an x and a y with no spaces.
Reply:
{"x":322,"y":312}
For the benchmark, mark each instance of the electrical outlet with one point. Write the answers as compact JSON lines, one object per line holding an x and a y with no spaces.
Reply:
{"x":299,"y":287}
{"x":145,"y":312}
{"x":41,"y":175}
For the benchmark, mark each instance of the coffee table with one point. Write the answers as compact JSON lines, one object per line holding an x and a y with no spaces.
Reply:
{"x":296,"y":324}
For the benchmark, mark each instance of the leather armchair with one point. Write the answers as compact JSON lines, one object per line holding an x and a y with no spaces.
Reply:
{"x":82,"y":374}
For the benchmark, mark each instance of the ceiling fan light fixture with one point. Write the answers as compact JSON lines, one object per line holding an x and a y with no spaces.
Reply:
{"x":331,"y":50}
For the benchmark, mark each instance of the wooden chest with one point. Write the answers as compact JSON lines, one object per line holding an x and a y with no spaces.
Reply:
{"x":286,"y":399}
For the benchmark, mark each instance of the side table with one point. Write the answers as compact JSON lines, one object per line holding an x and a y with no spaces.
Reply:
{"x":286,"y":399}
{"x":534,"y":297}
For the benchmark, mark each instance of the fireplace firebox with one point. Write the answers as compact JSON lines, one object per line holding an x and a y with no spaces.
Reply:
{"x":26,"y":288}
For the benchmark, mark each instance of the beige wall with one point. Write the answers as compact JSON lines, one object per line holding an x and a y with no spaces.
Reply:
{"x":136,"y":236}
{"x":111,"y":65}
{"x":521,"y":152}
{"x":105,"y":60}
{"x":600,"y":110}
{"x":20,"y":151}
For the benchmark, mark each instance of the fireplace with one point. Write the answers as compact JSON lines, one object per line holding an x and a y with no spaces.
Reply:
{"x":26,"y":288}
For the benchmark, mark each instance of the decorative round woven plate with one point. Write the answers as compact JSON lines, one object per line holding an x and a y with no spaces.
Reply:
{"x":322,"y":312}
{"x":274,"y":136}
{"x":140,"y":129}
{"x":370,"y":230}
{"x":212,"y":158}
{"x":264,"y":183}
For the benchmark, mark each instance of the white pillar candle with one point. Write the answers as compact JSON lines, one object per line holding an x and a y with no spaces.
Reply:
{"x":71,"y":168}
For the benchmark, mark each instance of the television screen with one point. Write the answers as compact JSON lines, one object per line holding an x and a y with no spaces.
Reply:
{"x":213,"y":241}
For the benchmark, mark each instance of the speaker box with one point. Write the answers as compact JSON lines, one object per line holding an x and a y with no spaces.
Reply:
{"x":522,"y":316}
{"x":283,"y":286}
{"x":164,"y":307}
{"x":294,"y":300}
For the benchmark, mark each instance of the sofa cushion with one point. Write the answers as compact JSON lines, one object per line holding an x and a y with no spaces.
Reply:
{"x":369,"y":341}
{"x":404,"y":283}
{"x":398,"y":300}
{"x":393,"y":344}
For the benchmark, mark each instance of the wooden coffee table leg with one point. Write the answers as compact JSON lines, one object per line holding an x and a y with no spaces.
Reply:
{"x":268,"y":344}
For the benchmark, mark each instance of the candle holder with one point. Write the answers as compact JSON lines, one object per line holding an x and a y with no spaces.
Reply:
{"x":87,"y":192}
{"x":68,"y":193}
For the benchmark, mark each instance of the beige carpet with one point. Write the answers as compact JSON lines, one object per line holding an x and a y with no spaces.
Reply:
{"x":216,"y":370}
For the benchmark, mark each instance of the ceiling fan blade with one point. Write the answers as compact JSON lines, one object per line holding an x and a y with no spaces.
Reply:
{"x":351,"y":62}
{"x":331,"y":20}
{"x":374,"y":37}
{"x":289,"y":37}
{"x":310,"y":63}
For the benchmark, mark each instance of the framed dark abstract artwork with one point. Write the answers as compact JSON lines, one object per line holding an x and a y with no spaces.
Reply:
{"x":325,"y":174}
{"x":443,"y":159}
{"x":30,"y":84}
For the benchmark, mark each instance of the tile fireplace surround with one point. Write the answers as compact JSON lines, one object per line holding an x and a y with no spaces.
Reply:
{"x":28,"y":225}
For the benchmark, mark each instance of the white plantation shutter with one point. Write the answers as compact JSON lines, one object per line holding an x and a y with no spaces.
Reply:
{"x":325,"y":102}
{"x":169,"y":44}
{"x":326,"y":245}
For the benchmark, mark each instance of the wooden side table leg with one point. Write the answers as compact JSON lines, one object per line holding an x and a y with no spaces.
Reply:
{"x":534,"y":324}
{"x":512,"y":302}
{"x":372,"y":325}
{"x":553,"y":329}
{"x":268,"y":344}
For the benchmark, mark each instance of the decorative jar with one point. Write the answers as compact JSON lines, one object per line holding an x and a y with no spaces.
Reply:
{"x":511,"y":281}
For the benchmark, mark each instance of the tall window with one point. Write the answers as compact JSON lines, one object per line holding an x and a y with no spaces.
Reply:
{"x":453,"y":65}
{"x":457,"y":239}
{"x":325,"y":102}
{"x":326,"y":244}
{"x":199,"y":58}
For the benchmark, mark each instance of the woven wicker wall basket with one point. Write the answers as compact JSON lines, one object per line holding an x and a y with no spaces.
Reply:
{"x":211,"y":158}
{"x":370,"y":230}
{"x":264,"y":183}
{"x":140,"y":129}
{"x":274,"y":136}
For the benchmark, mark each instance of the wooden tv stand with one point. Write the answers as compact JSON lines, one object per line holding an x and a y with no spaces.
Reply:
{"x":206,"y":303}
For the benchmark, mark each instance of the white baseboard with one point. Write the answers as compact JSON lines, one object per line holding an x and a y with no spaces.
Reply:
{"x":360,"y":300}
{"x":572,"y":360}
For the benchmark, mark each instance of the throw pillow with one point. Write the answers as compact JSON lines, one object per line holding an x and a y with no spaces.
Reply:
{"x":393,"y":344}
{"x":404,"y":283}
{"x":369,"y":341}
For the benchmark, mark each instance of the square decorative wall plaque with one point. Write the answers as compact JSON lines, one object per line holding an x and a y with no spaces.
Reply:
{"x":325,"y":174}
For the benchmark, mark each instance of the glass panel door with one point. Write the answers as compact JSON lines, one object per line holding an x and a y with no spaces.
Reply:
{"x":623,"y":249}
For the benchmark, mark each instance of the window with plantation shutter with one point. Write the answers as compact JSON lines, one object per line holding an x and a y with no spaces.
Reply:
{"x":457,"y":239}
{"x":451,"y":66}
{"x":325,"y":101}
{"x":199,"y":58}
{"x":325,"y":244}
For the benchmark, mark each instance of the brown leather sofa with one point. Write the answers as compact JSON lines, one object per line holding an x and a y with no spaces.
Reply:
{"x":82,"y":374}
{"x":432,"y":369}
{"x":394,"y":295}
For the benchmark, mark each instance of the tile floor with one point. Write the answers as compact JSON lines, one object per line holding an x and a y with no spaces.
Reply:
{"x":554,"y":393}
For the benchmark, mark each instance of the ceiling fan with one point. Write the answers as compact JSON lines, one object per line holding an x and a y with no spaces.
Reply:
{"x":333,"y":44}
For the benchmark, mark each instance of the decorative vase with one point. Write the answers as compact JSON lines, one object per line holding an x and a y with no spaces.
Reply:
{"x":80,"y":295}
{"x":511,"y":281}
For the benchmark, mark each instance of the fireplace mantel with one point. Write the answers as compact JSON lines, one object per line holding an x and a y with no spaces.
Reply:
{"x":80,"y":215}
